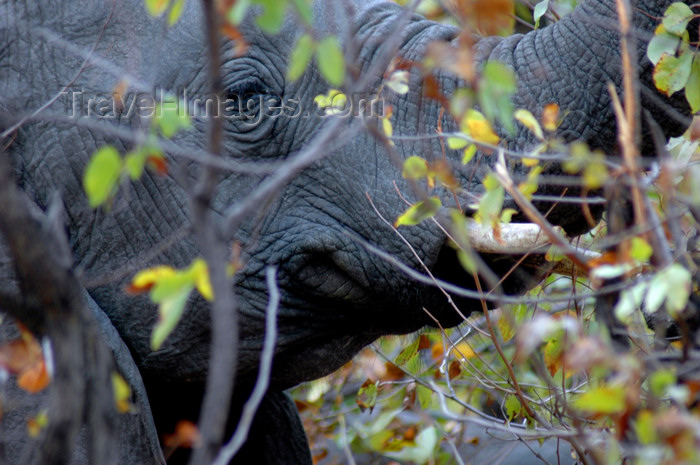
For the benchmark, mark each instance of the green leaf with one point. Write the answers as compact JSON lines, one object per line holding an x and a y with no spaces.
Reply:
{"x":101,"y":175}
{"x":304,"y":10}
{"x":273,"y":15}
{"x":595,"y":173}
{"x":300,"y":57}
{"x":496,"y":86}
{"x":491,"y":182}
{"x":425,"y":396}
{"x":662,"y":44}
{"x":331,"y":62}
{"x":640,"y":249}
{"x":500,"y":77}
{"x":171,"y":117}
{"x":677,"y":17}
{"x":237,"y":12}
{"x":645,"y":427}
{"x":466,"y":259}
{"x":660,"y":381}
{"x":469,"y":153}
{"x":630,"y":301}
{"x":408,"y":353}
{"x":169,"y":313}
{"x":176,"y":12}
{"x":367,"y":396}
{"x":134,"y":162}
{"x":692,"y":87}
{"x":419,"y":211}
{"x":456,"y":143}
{"x":602,"y":400}
{"x":156,"y":7}
{"x":671,"y":73}
{"x":513,"y":407}
{"x":539,"y":11}
{"x":491,"y":202}
{"x":414,"y":168}
{"x":422,"y":452}
{"x":680,"y":284}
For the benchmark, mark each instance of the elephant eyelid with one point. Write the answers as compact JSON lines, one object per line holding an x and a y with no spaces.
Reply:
{"x":247,"y":88}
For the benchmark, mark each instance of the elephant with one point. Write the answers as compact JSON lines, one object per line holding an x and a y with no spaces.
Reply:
{"x":335,"y":295}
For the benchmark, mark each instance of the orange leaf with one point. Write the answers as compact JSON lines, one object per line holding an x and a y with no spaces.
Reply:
{"x":550,"y":116}
{"x":454,"y":369}
{"x":186,"y":435}
{"x":34,"y":379}
{"x":410,"y":433}
{"x":119,"y":92}
{"x":158,"y":164}
{"x":423,"y":342}
{"x":494,"y":16}
{"x":437,"y":351}
{"x":232,"y":32}
{"x":21,"y":354}
{"x":393,"y":373}
{"x":489,"y":17}
{"x":16,"y":356}
{"x":319,"y":456}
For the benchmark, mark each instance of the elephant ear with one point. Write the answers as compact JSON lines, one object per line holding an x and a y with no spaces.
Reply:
{"x":138,"y":440}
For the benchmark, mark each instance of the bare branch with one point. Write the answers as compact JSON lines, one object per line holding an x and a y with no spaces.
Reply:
{"x":262,"y":382}
{"x":56,"y":308}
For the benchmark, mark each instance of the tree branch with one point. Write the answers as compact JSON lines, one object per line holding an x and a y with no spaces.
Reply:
{"x":56,"y":308}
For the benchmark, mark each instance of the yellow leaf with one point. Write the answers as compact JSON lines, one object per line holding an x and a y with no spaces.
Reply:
{"x":200,"y":271}
{"x":419,"y":211}
{"x":37,"y":423}
{"x":530,"y":162}
{"x":388,"y":129}
{"x":146,"y":279}
{"x":122,"y":393}
{"x":602,"y":400}
{"x":462,"y":351}
{"x":528,"y":120}
{"x":478,"y":127}
{"x":156,"y":7}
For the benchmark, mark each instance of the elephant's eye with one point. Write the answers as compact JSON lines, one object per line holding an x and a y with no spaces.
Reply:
{"x":245,"y":99}
{"x":246,"y":89}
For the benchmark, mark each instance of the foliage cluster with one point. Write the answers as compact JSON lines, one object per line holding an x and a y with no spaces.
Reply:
{"x":546,"y":367}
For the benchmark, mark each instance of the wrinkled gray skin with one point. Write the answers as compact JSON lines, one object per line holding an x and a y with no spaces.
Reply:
{"x":335,"y":296}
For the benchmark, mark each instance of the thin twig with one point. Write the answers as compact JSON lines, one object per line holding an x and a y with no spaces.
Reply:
{"x":535,"y":216}
{"x":263,"y":380}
